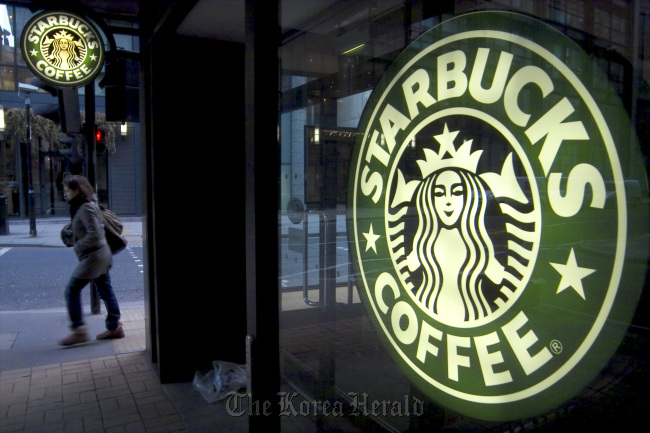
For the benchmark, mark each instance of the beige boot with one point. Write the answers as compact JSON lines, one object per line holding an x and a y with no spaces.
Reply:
{"x":79,"y":335}
{"x":115,"y":333}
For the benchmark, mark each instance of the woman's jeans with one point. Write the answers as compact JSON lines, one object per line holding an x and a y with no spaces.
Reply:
{"x":103,"y":284}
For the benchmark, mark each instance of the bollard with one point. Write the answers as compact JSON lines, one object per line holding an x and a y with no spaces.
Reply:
{"x":4,"y":224}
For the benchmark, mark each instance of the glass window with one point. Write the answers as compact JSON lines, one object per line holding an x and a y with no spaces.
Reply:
{"x":7,"y":48}
{"x":7,"y":78}
{"x":24,"y":75}
{"x":342,"y":353}
{"x":22,"y":16}
{"x":124,"y":42}
{"x":7,"y":31}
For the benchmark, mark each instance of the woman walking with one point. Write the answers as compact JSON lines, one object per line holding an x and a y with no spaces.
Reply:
{"x":95,"y":260}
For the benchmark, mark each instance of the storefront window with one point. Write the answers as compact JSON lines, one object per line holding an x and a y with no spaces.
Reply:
{"x":359,"y":327}
{"x":7,"y":48}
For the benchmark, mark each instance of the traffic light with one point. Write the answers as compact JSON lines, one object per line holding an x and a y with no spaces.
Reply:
{"x":67,"y":148}
{"x":100,"y":141}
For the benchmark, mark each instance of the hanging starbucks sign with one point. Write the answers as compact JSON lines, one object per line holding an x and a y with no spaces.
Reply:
{"x":62,"y":48}
{"x":495,"y":241}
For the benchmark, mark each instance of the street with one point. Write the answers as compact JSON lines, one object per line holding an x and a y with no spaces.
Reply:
{"x":34,"y":278}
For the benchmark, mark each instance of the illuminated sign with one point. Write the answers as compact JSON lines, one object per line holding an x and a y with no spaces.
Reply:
{"x":62,"y":48}
{"x":491,"y":216}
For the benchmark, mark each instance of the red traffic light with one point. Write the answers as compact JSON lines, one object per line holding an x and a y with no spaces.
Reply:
{"x":99,"y":135}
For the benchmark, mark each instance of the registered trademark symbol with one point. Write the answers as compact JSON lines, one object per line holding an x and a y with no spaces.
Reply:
{"x":556,"y":347}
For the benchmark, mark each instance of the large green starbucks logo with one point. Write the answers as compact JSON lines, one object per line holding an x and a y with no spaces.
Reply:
{"x":491,"y":215}
{"x":62,"y":48}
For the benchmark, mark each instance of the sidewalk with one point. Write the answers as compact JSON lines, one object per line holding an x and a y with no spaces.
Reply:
{"x":28,"y":338}
{"x":100,"y":386}
{"x":48,"y":232}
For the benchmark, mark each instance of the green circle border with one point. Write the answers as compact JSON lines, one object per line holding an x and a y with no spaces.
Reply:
{"x":598,"y":351}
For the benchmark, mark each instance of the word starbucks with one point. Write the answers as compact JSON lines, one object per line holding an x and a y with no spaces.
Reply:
{"x":452,"y":81}
{"x":242,"y":404}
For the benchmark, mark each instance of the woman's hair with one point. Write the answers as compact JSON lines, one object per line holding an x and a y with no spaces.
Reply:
{"x":471,"y":224}
{"x":81,"y":184}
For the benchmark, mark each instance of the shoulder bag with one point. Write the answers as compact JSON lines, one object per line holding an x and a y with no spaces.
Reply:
{"x":113,"y":228}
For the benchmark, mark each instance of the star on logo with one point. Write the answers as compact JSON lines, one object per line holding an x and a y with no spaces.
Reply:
{"x":93,"y":57}
{"x":33,"y":52}
{"x":446,"y":140}
{"x":572,"y":275}
{"x":371,"y":238}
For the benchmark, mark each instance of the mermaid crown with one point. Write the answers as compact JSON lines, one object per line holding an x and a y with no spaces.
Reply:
{"x":463,"y":157}
{"x":63,"y":35}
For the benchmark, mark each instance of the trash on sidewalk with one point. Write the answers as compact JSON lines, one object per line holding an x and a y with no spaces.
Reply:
{"x":216,"y":383}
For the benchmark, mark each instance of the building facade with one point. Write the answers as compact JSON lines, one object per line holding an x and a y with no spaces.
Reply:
{"x":401,"y":215}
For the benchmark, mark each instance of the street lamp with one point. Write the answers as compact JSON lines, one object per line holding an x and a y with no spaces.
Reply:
{"x":24,"y":91}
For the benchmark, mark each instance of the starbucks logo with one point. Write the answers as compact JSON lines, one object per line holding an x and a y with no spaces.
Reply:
{"x":489,"y":221}
{"x":62,"y":49}
{"x":447,"y":261}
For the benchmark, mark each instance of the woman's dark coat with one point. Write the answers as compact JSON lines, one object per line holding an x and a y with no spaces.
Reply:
{"x":94,"y":254}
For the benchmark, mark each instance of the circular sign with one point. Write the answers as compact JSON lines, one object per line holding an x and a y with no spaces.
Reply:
{"x":490,"y":225}
{"x":62,"y":48}
{"x":295,"y":210}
